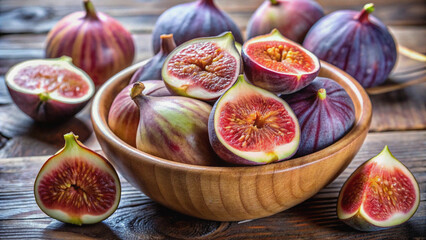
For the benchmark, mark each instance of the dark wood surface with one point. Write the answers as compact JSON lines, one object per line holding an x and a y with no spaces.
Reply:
{"x":399,"y":120}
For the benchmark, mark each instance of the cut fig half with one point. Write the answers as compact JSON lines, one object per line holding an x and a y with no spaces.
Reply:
{"x":381,"y":193}
{"x":203,"y":68}
{"x":249,"y":125}
{"x":49,"y":89}
{"x":277,"y":64}
{"x":77,"y":185}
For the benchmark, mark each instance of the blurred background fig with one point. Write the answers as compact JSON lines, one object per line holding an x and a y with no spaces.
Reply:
{"x":152,"y":69}
{"x":196,"y":19}
{"x":96,"y":42}
{"x":49,"y":90}
{"x":356,"y":42}
{"x":203,"y":68}
{"x":325,"y":112}
{"x":250,"y":126}
{"x":174,"y":128}
{"x":123,"y":117}
{"x":277,"y":64}
{"x":293,"y":18}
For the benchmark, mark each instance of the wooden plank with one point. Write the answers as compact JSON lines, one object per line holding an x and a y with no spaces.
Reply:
{"x":140,"y":218}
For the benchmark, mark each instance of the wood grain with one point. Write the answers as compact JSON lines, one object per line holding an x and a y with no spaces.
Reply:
{"x":138,"y":217}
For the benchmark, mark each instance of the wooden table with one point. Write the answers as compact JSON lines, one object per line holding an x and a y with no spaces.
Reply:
{"x":399,"y":120}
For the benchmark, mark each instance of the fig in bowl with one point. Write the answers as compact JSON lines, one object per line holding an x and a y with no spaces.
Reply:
{"x":231,"y":193}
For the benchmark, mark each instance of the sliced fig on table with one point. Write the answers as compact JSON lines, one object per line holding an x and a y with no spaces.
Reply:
{"x":325,"y":112}
{"x":203,"y":68}
{"x":49,"y":90}
{"x":174,"y":128}
{"x":249,"y":125}
{"x":77,"y":185}
{"x":381,"y":193}
{"x":277,"y":64}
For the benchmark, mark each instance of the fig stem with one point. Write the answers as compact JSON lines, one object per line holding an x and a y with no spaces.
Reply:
{"x":90,"y":9}
{"x":137,"y":90}
{"x":207,"y":2}
{"x":322,"y":94}
{"x":167,"y":43}
{"x":363,"y":15}
{"x":65,"y":59}
{"x":274,"y":2}
{"x":70,"y":139}
{"x":44,"y":96}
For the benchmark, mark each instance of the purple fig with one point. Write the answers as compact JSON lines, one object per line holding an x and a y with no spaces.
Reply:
{"x":293,"y":18}
{"x":325,"y":112}
{"x":152,"y":69}
{"x":193,"y":20}
{"x":356,"y":42}
{"x":174,"y":128}
{"x":277,"y":64}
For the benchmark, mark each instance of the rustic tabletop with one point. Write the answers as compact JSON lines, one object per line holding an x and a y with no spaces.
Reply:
{"x":399,"y":120}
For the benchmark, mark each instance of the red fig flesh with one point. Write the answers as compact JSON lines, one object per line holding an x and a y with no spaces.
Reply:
{"x":96,"y":42}
{"x":49,"y":90}
{"x":381,"y":193}
{"x":77,"y":185}
{"x":249,"y":125}
{"x":277,"y":64}
{"x":203,"y":68}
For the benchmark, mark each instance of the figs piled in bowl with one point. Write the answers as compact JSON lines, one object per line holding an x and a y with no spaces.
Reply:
{"x":356,"y":42}
{"x":96,"y":42}
{"x":277,"y":64}
{"x":49,"y":90}
{"x":293,"y":18}
{"x":187,"y":21}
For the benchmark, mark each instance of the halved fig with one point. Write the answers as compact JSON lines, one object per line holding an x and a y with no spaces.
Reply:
{"x":77,"y":185}
{"x":277,"y":64}
{"x":381,"y":193}
{"x":249,"y":125}
{"x":49,"y":90}
{"x":203,"y":68}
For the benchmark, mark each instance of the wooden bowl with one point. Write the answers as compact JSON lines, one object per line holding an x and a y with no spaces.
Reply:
{"x":231,"y":193}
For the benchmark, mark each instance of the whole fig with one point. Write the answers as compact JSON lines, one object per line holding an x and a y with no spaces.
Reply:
{"x":356,"y":42}
{"x":325,"y":112}
{"x":293,"y":18}
{"x":152,"y":70}
{"x":193,"y":20}
{"x":174,"y":128}
{"x":96,"y":42}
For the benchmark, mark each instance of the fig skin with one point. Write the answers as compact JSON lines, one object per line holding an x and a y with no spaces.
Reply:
{"x":293,"y":18}
{"x":371,"y":173}
{"x":324,"y":116}
{"x":356,"y":42}
{"x":123,"y":117}
{"x":70,"y":184}
{"x":275,"y":81}
{"x":241,"y":157}
{"x":96,"y":42}
{"x":173,"y":128}
{"x":152,"y":69}
{"x":43,"y":107}
{"x":196,"y":19}
{"x":188,"y":87}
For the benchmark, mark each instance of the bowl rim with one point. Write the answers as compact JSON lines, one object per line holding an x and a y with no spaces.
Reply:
{"x":362,"y":121}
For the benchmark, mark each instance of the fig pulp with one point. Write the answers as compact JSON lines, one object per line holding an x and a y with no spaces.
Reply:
{"x":203,"y":68}
{"x":123,"y":117}
{"x":277,"y":64}
{"x":381,"y":193}
{"x":77,"y":185}
{"x":152,"y":69}
{"x":174,"y":128}
{"x":249,"y":125}
{"x":96,"y":42}
{"x":49,"y":90}
{"x":193,"y":20}
{"x":356,"y":42}
{"x":293,"y":18}
{"x":325,"y":112}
